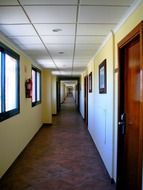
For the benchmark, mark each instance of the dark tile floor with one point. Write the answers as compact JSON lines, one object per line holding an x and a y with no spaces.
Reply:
{"x":60,"y":157}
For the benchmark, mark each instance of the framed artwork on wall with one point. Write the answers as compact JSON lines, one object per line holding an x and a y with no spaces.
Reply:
{"x":90,"y":82}
{"x":102,"y":78}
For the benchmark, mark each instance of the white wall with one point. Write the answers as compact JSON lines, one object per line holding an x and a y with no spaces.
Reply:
{"x":81,"y":95}
{"x":62,"y":92}
{"x":102,"y":122}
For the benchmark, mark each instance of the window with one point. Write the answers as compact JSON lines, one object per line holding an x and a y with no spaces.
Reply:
{"x":9,"y":83}
{"x":36,"y":86}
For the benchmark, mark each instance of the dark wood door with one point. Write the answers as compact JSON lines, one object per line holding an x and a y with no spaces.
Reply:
{"x":130,"y":118}
{"x":86,"y":99}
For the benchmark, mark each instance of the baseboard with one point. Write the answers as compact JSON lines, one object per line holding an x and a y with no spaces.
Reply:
{"x":54,"y":114}
{"x":47,"y":124}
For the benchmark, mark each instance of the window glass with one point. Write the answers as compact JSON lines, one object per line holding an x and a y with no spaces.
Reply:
{"x":0,"y":81}
{"x":38,"y":86}
{"x":33,"y":86}
{"x":10,"y":82}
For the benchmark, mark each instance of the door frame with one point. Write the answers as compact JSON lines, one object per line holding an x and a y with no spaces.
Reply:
{"x":136,"y":32}
{"x":58,"y":89}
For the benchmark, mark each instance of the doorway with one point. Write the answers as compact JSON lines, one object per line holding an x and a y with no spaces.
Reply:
{"x":129,"y":166}
{"x":86,"y":99}
{"x":72,"y":88}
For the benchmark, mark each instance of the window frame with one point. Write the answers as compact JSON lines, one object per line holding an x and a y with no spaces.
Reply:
{"x":7,"y":114}
{"x":36,"y":70}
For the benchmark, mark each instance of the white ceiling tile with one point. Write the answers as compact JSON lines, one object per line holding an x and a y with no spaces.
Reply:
{"x":59,"y":48}
{"x":80,"y":63}
{"x":46,"y":63}
{"x":52,"y":14}
{"x":94,"y":29}
{"x":58,"y":39}
{"x":18,"y":30}
{"x":101,"y":14}
{"x":87,"y":47}
{"x":85,"y":53}
{"x":47,"y":29}
{"x":9,"y":2}
{"x":89,"y":39}
{"x":38,"y":54}
{"x":27,"y":40}
{"x":33,"y":47}
{"x":12,"y":15}
{"x":63,"y":63}
{"x":74,"y":72}
{"x":55,"y":51}
{"x":65,"y":72}
{"x":47,"y":2}
{"x":107,"y":2}
{"x":63,"y":56}
{"x":79,"y":68}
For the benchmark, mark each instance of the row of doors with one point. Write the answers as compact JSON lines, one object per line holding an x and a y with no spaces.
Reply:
{"x":130,"y":109}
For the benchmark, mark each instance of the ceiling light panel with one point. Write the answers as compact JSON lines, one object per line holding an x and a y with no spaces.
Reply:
{"x":89,"y":39}
{"x":48,"y":40}
{"x":49,"y":2}
{"x":51,"y":14}
{"x":94,"y":29}
{"x":12,"y":15}
{"x":18,"y":30}
{"x":9,"y":2}
{"x":111,"y":14}
{"x":47,"y":29}
{"x":107,"y":2}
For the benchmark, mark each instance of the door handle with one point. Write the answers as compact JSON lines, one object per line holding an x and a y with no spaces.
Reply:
{"x":122,"y":123}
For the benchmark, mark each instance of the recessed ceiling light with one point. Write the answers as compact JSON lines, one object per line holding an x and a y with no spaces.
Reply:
{"x":61,"y":52}
{"x":57,"y":30}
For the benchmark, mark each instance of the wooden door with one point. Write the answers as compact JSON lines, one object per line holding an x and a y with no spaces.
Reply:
{"x":86,"y":99}
{"x":130,"y":111}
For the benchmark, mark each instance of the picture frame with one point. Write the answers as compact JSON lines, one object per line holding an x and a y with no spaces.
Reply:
{"x":102,"y":78}
{"x":90,"y":82}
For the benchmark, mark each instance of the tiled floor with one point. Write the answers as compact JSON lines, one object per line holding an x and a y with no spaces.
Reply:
{"x":60,"y":157}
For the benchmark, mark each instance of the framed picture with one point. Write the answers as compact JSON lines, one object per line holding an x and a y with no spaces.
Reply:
{"x":102,"y":77}
{"x":90,"y":82}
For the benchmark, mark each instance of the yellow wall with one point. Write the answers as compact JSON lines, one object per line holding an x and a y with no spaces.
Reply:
{"x":17,"y":131}
{"x":54,"y":95}
{"x":46,"y":97}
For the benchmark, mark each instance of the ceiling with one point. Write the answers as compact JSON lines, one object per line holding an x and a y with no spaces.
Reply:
{"x":61,"y":35}
{"x":69,"y":83}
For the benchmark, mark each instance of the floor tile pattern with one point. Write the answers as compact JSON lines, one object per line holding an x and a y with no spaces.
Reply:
{"x":60,"y":157}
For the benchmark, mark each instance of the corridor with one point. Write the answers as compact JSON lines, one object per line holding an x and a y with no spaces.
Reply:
{"x":60,"y":157}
